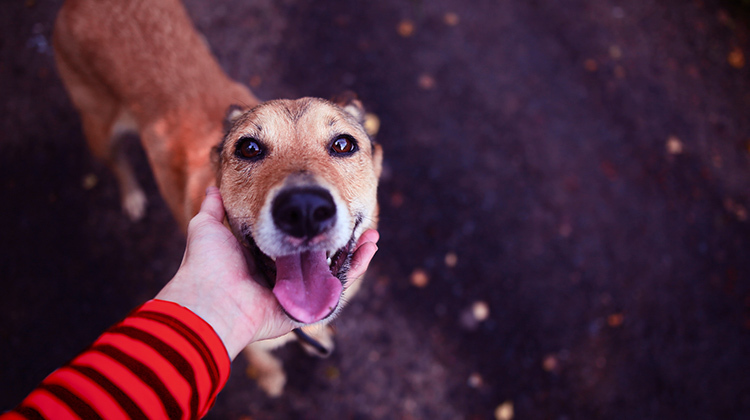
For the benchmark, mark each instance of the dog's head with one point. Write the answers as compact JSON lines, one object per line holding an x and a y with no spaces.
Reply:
{"x":299,"y":182}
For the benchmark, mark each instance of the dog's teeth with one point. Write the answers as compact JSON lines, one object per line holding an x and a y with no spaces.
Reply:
{"x":329,"y":261}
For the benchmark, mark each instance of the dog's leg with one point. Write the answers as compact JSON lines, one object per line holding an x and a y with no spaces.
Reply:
{"x":267,"y":369}
{"x":264,"y":367}
{"x":104,"y":123}
{"x":104,"y":134}
{"x":132,"y":196}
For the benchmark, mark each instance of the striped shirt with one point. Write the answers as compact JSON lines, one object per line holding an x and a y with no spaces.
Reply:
{"x":162,"y":361}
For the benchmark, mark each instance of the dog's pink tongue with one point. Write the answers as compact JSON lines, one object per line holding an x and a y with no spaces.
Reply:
{"x":305,"y":287}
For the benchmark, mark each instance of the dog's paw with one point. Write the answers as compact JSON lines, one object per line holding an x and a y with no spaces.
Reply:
{"x":134,"y":204}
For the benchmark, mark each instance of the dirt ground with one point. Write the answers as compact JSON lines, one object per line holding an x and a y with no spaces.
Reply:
{"x":578,"y":169}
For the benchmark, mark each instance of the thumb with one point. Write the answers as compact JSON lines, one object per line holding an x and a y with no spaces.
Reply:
{"x":213,"y":205}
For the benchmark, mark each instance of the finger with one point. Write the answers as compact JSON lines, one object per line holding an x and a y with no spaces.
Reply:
{"x":370,"y":235}
{"x":212,"y":205}
{"x":275,"y":324}
{"x":361,"y":259}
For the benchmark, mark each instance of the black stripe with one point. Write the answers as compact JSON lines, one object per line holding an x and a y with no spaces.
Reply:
{"x":191,"y":336}
{"x":29,"y":412}
{"x":166,"y":351}
{"x":79,"y":406}
{"x":127,"y":404}
{"x":174,"y":411}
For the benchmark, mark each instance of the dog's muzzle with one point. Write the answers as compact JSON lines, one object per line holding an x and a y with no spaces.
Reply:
{"x":306,"y":283}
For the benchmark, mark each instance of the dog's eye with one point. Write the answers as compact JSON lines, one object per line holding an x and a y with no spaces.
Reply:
{"x":344,"y":145}
{"x":249,"y":148}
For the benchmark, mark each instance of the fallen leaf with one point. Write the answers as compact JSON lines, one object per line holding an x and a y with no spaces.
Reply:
{"x":332,"y":373}
{"x":609,"y":169}
{"x":504,"y":411}
{"x":451,"y":259}
{"x":591,"y":65}
{"x":674,"y":145}
{"x":620,"y":72}
{"x":255,"y":81}
{"x":736,"y":58}
{"x":372,"y":124}
{"x":451,"y":19}
{"x":90,"y":181}
{"x":615,"y":320}
{"x":426,"y":81}
{"x":480,"y":310}
{"x":397,"y":199}
{"x":615,"y":52}
{"x":739,"y":211}
{"x":723,"y":17}
{"x":419,"y":278}
{"x":475,"y":380}
{"x":550,"y":363}
{"x":565,"y":229}
{"x":405,"y":28}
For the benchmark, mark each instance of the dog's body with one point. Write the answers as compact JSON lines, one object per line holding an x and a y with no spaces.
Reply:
{"x":298,"y":178}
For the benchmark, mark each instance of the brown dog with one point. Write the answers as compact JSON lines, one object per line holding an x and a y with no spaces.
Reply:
{"x":298,"y":178}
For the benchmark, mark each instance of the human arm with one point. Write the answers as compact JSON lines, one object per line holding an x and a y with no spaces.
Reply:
{"x":171,"y":356}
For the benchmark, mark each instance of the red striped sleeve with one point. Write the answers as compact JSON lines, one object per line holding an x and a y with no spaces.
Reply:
{"x":84,"y":388}
{"x":162,"y":361}
{"x":182,"y":354}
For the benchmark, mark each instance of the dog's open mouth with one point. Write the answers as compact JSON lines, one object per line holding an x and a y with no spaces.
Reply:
{"x":308,"y":285}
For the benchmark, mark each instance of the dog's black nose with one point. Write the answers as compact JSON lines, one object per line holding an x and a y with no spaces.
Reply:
{"x":304,"y":212}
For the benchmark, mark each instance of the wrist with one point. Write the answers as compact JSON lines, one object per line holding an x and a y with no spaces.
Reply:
{"x":227,"y":321}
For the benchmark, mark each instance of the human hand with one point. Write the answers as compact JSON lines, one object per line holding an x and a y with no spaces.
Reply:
{"x":216,"y":282}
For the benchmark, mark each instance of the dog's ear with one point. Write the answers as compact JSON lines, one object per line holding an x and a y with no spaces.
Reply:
{"x":349,"y":102}
{"x":233,"y":113}
{"x":353,"y":106}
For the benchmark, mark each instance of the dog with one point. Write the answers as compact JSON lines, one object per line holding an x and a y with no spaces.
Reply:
{"x":298,"y":177}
